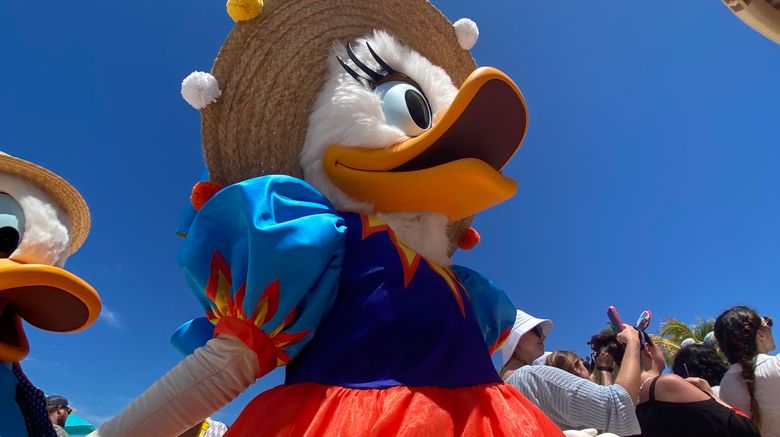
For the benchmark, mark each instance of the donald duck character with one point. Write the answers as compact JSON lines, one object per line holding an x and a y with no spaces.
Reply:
{"x":349,"y":143}
{"x":43,"y":220}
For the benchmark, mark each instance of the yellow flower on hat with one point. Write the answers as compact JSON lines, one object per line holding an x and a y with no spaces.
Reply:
{"x":244,"y":10}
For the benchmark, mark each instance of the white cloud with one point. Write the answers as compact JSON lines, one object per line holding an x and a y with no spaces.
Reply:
{"x":110,"y":317}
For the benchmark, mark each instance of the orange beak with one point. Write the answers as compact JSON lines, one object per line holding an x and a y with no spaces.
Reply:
{"x":45,"y":296}
{"x":454,"y":168}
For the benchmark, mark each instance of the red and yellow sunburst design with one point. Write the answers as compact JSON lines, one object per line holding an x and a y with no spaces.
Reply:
{"x":225,"y":305}
{"x":410,"y":260}
{"x":500,"y":341}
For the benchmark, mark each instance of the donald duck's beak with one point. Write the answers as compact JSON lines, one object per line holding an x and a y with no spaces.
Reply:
{"x":45,"y":296}
{"x":454,"y":167}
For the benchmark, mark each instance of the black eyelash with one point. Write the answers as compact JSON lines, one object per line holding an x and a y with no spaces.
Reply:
{"x":374,"y":76}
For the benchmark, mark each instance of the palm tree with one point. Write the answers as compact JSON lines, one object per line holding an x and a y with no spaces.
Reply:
{"x":673,"y":332}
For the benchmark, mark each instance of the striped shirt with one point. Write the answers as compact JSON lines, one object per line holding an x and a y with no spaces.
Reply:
{"x":576,"y":403}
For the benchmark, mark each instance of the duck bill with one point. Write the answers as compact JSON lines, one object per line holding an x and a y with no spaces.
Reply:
{"x":46,"y":297}
{"x":454,"y":168}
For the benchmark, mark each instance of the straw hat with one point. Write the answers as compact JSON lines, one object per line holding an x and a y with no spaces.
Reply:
{"x":67,"y":197}
{"x":271,"y":68}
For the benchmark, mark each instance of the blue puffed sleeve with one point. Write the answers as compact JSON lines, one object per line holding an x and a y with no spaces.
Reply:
{"x":493,"y":310}
{"x":263,"y":257}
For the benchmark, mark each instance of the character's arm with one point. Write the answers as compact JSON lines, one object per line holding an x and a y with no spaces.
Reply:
{"x":263,"y":257}
{"x":494,"y":311}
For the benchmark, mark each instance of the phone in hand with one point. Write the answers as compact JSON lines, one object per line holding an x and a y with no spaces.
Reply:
{"x":614,"y":319}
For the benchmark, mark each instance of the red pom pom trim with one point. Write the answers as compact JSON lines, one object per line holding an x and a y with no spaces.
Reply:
{"x":469,"y":239}
{"x":202,"y":192}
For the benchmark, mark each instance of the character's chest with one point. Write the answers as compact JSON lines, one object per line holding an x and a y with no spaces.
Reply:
{"x":376,"y":260}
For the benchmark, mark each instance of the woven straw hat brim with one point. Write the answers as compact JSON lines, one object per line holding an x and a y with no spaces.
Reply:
{"x":271,"y":68}
{"x":63,"y":193}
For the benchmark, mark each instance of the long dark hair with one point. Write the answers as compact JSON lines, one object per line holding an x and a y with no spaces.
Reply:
{"x":735,"y":331}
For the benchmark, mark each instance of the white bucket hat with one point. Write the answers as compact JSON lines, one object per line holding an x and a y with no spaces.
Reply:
{"x":524,"y":322}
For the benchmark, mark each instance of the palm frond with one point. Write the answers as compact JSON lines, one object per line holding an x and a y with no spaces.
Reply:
{"x":667,"y":346}
{"x":675,"y":330}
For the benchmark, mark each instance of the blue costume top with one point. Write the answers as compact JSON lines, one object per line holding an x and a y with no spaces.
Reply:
{"x":338,"y":295}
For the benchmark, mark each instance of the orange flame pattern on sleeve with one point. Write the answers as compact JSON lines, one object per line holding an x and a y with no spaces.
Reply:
{"x":228,"y":313}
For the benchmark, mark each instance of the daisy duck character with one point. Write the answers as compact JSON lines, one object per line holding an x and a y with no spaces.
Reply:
{"x":348,"y":143}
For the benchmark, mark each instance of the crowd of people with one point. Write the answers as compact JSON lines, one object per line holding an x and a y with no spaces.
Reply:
{"x":622,"y":388}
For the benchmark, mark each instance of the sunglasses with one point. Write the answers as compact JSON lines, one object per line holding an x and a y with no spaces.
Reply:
{"x":767,"y":321}
{"x":537,"y":330}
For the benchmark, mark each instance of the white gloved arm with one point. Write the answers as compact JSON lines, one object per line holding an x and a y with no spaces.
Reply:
{"x":196,"y":388}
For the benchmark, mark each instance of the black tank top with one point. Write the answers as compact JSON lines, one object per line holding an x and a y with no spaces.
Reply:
{"x":703,"y":418}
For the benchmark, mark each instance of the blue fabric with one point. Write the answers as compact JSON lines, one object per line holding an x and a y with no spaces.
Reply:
{"x":192,"y":335}
{"x":494,"y":312}
{"x":32,"y":403}
{"x":268,"y":229}
{"x":11,"y":419}
{"x":369,"y":312}
{"x":382,"y":332}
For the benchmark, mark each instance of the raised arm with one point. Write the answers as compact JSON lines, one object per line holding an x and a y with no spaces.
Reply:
{"x":263,"y":257}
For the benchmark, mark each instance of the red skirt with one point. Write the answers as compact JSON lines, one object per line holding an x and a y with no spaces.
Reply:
{"x":310,"y":409}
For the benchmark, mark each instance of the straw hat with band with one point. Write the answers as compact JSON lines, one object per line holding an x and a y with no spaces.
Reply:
{"x":44,"y":295}
{"x":524,"y":322}
{"x":271,"y":68}
{"x":67,"y":197}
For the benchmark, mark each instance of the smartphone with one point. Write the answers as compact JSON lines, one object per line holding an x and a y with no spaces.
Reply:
{"x":614,"y":319}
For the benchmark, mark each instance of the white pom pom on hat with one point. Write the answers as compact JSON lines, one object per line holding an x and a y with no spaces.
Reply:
{"x":467,"y":32}
{"x":200,"y":89}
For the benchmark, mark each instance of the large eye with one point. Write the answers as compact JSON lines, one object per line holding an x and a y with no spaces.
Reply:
{"x":11,"y":225}
{"x":405,"y":107}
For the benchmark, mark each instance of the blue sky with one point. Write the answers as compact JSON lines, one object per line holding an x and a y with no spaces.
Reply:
{"x":649,"y":179}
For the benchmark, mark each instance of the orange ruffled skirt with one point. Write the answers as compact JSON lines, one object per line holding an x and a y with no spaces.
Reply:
{"x":310,"y":409}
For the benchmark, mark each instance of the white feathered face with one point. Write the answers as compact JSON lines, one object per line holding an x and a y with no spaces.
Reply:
{"x":32,"y":228}
{"x":390,"y":132}
{"x":34,"y":243}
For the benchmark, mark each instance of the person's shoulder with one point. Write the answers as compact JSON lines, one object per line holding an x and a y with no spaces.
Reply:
{"x":542,"y":372}
{"x":545,"y":371}
{"x":60,"y":431}
{"x":673,"y":388}
{"x":767,"y":360}
{"x":768,"y":366}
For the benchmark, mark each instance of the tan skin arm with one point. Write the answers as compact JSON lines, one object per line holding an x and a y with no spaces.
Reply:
{"x":630,"y":369}
{"x":603,"y":377}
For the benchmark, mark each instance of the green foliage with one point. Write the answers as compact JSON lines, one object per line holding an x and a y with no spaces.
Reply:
{"x":672,"y":332}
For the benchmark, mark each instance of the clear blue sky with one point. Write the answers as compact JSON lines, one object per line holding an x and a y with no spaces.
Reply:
{"x":649,"y":179}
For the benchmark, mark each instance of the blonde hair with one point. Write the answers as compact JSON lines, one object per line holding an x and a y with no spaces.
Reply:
{"x":564,"y":360}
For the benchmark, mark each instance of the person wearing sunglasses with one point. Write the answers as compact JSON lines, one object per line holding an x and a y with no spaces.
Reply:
{"x":58,"y":409}
{"x":752,"y":382}
{"x":570,"y":401}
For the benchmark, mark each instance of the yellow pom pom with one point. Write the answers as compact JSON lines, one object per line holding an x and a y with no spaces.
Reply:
{"x":244,"y":10}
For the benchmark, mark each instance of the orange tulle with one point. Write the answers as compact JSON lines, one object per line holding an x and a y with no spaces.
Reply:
{"x":318,"y":410}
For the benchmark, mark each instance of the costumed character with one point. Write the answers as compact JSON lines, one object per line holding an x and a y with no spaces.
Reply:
{"x":43,"y":220}
{"x":346,"y":278}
